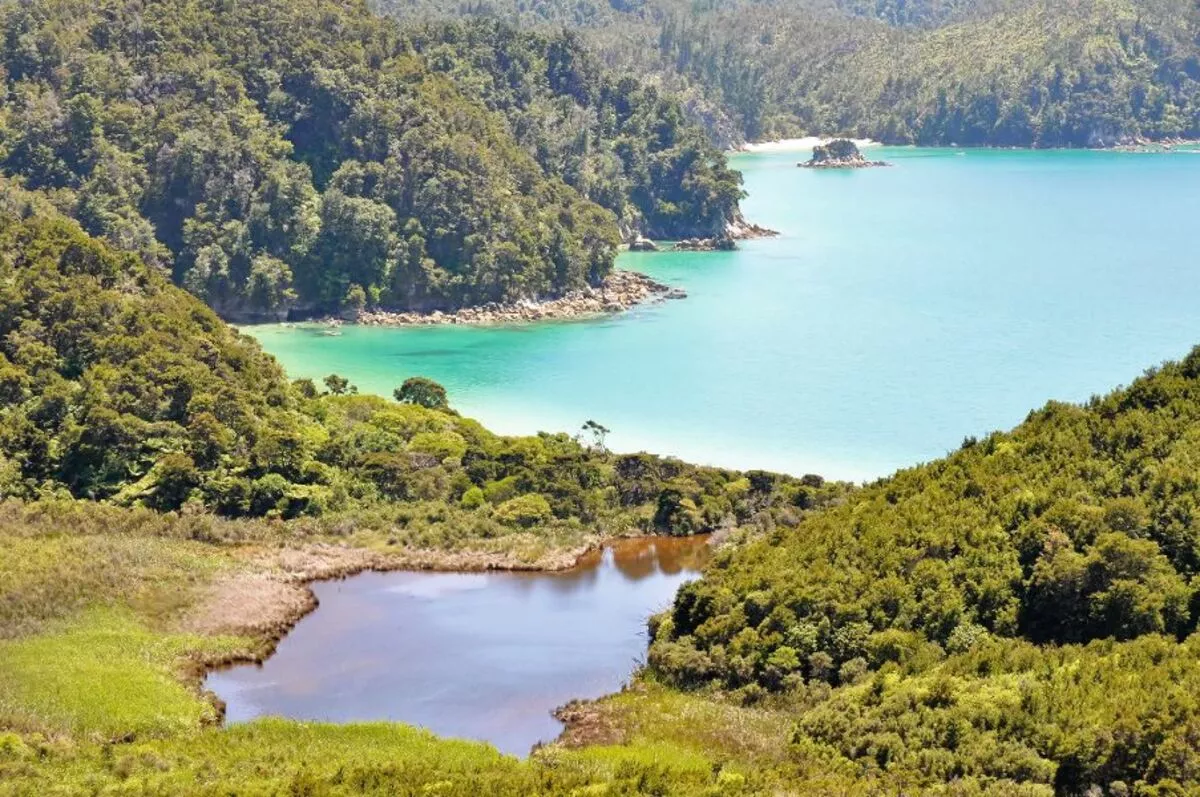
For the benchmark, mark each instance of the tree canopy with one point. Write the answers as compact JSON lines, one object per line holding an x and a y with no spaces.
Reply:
{"x":1039,"y":73}
{"x":308,"y":156}
{"x":1053,"y":569}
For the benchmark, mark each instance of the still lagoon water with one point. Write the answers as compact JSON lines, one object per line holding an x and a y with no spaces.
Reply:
{"x":484,"y":656}
{"x":900,"y":310}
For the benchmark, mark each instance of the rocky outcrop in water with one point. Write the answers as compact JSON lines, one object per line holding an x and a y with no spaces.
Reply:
{"x":724,"y":239}
{"x":620,"y":291}
{"x":723,"y":243}
{"x":741,"y":230}
{"x":841,"y":153}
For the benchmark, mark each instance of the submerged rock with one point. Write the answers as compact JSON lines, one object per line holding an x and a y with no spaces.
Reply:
{"x":841,"y":153}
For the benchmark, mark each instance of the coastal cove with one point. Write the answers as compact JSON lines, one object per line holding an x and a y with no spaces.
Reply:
{"x":900,"y":310}
{"x":440,"y":399}
{"x":482,"y":655}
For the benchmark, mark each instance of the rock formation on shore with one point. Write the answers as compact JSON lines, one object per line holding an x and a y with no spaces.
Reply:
{"x":841,"y":153}
{"x":723,"y":243}
{"x":737,"y":229}
{"x":741,"y":230}
{"x":620,"y":291}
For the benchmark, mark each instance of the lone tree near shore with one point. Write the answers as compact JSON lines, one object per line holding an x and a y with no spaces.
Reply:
{"x":339,"y":385}
{"x":599,"y":432}
{"x":422,"y":391}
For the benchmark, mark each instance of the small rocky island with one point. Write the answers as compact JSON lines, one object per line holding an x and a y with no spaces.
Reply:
{"x":841,"y":153}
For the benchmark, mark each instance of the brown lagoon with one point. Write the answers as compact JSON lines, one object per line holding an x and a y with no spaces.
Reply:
{"x":483,"y":656}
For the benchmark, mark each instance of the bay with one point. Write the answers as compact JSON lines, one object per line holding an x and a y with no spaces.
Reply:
{"x":900,"y":310}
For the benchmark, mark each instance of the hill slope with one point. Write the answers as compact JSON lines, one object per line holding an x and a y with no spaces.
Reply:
{"x":117,"y":386}
{"x":1024,"y":609}
{"x":1018,"y":618}
{"x":1015,"y":73}
{"x":309,"y":156}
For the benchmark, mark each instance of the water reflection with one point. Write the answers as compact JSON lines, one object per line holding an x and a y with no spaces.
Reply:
{"x":478,"y":655}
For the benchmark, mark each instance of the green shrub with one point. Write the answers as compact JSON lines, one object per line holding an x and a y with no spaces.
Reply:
{"x":443,"y":445}
{"x":473,"y":498}
{"x":524,"y":510}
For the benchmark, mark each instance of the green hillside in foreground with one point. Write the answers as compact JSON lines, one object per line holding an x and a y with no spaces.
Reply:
{"x":1017,"y":618}
{"x":310,"y":157}
{"x":1023,"y":609}
{"x":1014,"y":73}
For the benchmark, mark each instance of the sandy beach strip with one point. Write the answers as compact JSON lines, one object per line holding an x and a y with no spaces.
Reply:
{"x":799,"y":144}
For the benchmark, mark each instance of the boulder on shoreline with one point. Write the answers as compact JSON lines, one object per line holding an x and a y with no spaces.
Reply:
{"x":742,"y":230}
{"x":723,"y":243}
{"x":640,"y":244}
{"x":841,"y":153}
{"x":620,"y":291}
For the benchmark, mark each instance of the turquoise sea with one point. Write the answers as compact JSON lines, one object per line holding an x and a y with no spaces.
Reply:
{"x":900,"y":310}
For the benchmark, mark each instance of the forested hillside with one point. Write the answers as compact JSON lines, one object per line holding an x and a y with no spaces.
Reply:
{"x":1004,"y":73}
{"x":621,"y":143}
{"x":311,"y":156}
{"x":1024,"y":609}
{"x":1017,"y":618}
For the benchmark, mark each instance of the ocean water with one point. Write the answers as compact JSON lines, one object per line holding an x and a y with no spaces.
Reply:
{"x":900,"y":310}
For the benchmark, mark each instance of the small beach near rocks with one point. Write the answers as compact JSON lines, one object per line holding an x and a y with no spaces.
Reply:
{"x":798,"y":144}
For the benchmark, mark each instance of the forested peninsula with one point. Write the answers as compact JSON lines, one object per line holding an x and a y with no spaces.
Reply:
{"x":308,"y":157}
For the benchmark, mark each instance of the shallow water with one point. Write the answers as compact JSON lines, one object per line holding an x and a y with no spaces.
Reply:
{"x":901,"y":310}
{"x":483,"y":656}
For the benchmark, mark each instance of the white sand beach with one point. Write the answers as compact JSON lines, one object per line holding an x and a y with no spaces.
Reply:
{"x":799,"y":144}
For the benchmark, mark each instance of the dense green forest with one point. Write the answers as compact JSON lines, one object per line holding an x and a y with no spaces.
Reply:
{"x":1003,"y":73}
{"x":310,"y":156}
{"x":1023,"y":609}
